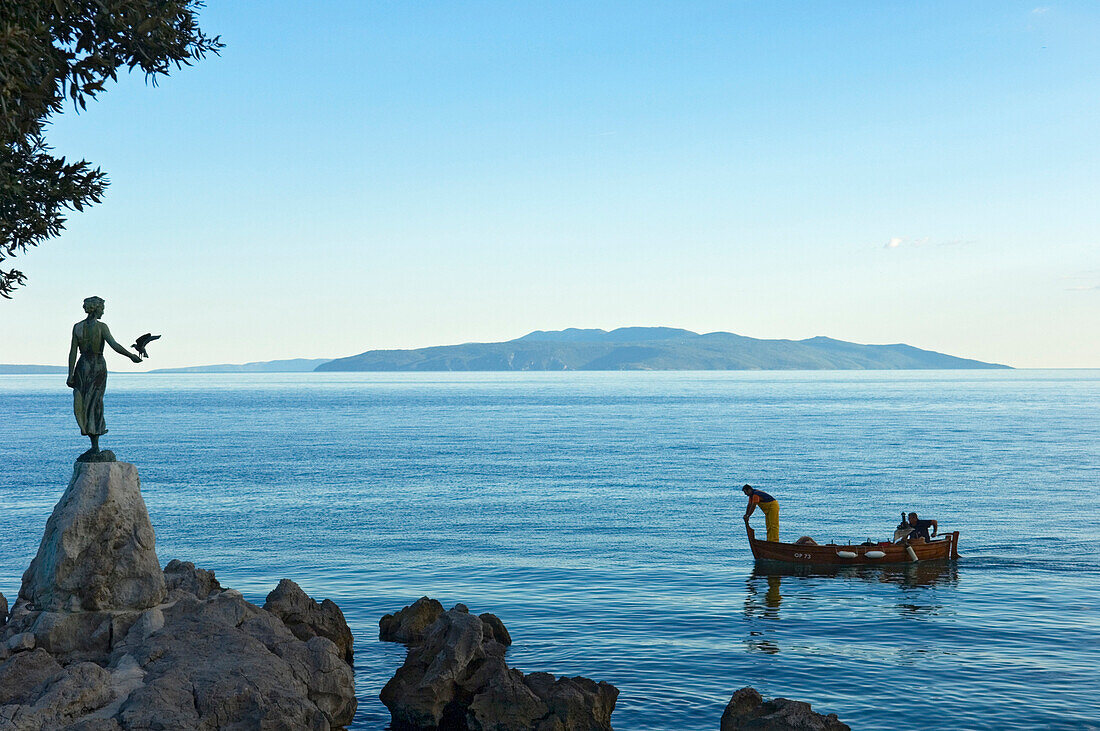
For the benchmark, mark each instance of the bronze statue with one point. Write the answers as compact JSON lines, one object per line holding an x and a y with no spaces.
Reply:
{"x":88,"y":376}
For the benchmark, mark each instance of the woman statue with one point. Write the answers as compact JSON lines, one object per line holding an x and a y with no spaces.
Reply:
{"x":88,"y":375}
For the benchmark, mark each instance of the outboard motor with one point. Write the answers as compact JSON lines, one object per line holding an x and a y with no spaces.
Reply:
{"x":903,"y":529}
{"x":902,"y":534}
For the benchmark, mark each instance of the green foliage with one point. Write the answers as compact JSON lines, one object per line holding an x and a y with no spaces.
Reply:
{"x":54,"y":52}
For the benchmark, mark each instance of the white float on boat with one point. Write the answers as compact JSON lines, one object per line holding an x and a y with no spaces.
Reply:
{"x":845,"y":554}
{"x":875,"y":554}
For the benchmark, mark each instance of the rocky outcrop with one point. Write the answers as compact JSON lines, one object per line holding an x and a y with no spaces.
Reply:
{"x":456,"y":677}
{"x":748,"y":710}
{"x":181,"y":577}
{"x":408,"y":625}
{"x":58,"y":701}
{"x":494,"y":629}
{"x":308,"y":619}
{"x":23,"y":673}
{"x":201,"y":656}
{"x":223,"y":661}
{"x":98,"y":549}
{"x":3,"y":610}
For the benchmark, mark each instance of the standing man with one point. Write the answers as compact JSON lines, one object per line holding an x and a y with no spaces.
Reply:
{"x":768,"y":505}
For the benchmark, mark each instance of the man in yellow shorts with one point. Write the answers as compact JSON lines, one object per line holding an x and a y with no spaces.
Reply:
{"x":768,"y":505}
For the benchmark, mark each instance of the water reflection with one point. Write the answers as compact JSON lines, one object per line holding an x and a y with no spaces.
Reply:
{"x":907,"y":576}
{"x":763,"y":595}
{"x":767,"y":584}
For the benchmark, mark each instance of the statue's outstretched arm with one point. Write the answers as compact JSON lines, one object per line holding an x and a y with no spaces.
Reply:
{"x":110,"y":339}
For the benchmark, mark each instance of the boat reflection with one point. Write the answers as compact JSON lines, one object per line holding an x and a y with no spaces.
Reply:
{"x":914,"y":575}
{"x":765,"y":586}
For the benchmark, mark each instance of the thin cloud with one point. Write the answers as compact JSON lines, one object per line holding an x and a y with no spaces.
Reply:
{"x":1084,"y":288}
{"x":1041,"y":10}
{"x":897,"y":242}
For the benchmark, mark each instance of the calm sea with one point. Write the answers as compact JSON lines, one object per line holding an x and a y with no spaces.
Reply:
{"x":598,"y":515}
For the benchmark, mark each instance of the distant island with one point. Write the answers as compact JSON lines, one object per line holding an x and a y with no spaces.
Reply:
{"x":25,"y":370}
{"x":292,"y":365}
{"x":624,"y":349}
{"x":652,"y":349}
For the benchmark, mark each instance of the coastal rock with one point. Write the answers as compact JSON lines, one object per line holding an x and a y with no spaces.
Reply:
{"x":409,"y":624}
{"x":97,"y":552}
{"x":575,"y":703}
{"x":456,"y":677}
{"x":3,"y":610}
{"x":20,"y":642}
{"x":748,"y":710}
{"x":494,"y":629}
{"x":307,"y":619}
{"x":103,"y":455}
{"x":182,"y":576}
{"x":505,"y":702}
{"x":23,"y":672}
{"x":59,"y":700}
{"x":191,"y":663}
{"x":223,"y":662}
{"x":100,"y":639}
{"x":436,"y":670}
{"x":74,"y":636}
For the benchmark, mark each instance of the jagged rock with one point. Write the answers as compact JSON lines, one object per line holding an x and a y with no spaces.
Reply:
{"x":98,"y":548}
{"x":182,"y":576}
{"x":20,"y":642}
{"x":103,"y":455}
{"x":575,"y":703}
{"x":222,"y":662}
{"x":307,"y":619}
{"x":505,"y":702}
{"x":456,"y":677}
{"x":193,"y":663}
{"x":430,"y":679}
{"x":57,"y":702}
{"x":3,"y":610}
{"x":21,"y":673}
{"x":748,"y":710}
{"x":95,"y":724}
{"x":495,"y":629}
{"x":409,"y":624}
{"x":74,"y":636}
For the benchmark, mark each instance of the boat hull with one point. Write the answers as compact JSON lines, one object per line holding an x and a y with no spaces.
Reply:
{"x":937,"y":550}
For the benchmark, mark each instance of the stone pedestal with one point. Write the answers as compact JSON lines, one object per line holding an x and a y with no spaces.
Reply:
{"x":98,"y":550}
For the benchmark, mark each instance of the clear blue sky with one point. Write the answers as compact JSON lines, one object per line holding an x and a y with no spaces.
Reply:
{"x":358,"y":175}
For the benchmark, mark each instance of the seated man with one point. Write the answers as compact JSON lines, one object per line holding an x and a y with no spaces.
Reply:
{"x":920,"y":528}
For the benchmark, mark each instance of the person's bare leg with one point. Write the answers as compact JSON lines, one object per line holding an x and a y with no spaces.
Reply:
{"x":95,"y":442}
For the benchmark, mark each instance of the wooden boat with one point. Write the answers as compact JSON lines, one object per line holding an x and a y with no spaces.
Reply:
{"x":833,"y":555}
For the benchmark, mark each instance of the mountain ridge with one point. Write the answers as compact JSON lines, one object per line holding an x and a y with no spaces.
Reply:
{"x":653,"y":348}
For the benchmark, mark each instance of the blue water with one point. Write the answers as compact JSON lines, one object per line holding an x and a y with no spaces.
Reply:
{"x":598,"y":515}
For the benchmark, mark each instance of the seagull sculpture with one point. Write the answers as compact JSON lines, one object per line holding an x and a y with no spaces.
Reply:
{"x":142,"y":341}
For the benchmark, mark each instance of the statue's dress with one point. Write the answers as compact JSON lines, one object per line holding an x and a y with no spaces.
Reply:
{"x":89,"y":383}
